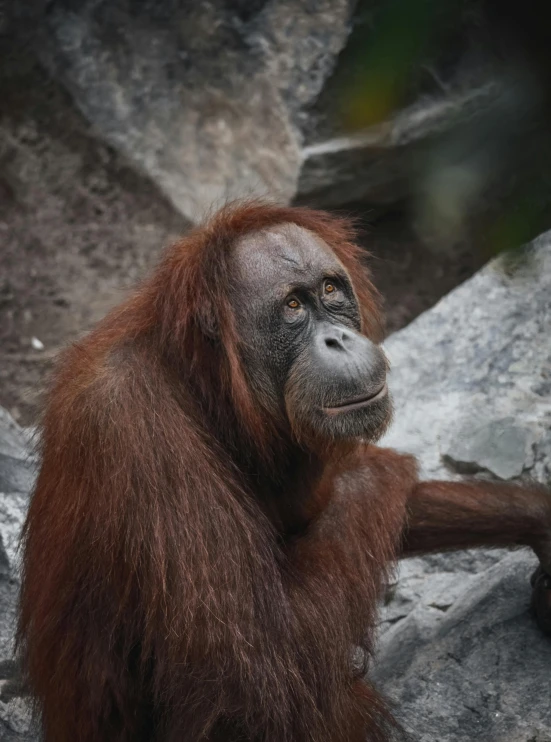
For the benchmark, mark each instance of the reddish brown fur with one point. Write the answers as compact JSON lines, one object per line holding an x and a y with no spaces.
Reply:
{"x":190,"y":573}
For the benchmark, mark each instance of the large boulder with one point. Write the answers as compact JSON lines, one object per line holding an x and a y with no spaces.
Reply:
{"x":206,"y":98}
{"x":477,"y":368}
{"x":460,"y":654}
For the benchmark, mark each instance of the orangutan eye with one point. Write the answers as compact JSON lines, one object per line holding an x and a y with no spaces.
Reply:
{"x":329,"y":287}
{"x":293,"y":304}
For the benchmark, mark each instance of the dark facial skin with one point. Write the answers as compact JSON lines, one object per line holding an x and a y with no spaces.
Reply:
{"x":305,"y":355}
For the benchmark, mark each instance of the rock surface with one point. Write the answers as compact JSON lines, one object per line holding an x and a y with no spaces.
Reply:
{"x":77,"y":224}
{"x":471,"y":379}
{"x":16,"y":477}
{"x":221,"y":99}
{"x":204,"y":97}
{"x":461,"y":656}
{"x":480,"y":357}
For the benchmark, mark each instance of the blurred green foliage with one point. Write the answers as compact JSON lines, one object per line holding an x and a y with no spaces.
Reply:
{"x":389,"y":54}
{"x":487,"y":177}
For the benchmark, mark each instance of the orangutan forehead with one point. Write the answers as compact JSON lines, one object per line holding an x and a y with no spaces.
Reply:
{"x":286,"y":253}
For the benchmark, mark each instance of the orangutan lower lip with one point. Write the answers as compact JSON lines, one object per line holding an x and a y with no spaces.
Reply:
{"x":358,"y":402}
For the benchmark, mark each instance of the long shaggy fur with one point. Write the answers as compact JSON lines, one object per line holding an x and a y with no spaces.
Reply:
{"x":162,"y":597}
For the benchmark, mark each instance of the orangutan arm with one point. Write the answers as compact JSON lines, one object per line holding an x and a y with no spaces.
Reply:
{"x":459,"y":515}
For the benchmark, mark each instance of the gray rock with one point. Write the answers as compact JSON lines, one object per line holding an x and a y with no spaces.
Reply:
{"x":460,"y":654}
{"x":204,"y":97}
{"x":468,"y":662}
{"x":17,"y":473}
{"x":13,"y":441}
{"x":16,"y":470}
{"x":499,"y":447}
{"x":77,"y":224}
{"x":482,"y":355}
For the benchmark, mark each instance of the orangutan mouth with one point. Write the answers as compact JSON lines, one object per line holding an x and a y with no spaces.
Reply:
{"x":358,"y":402}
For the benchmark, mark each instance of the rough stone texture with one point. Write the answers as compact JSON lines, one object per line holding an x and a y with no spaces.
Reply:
{"x":460,"y":654}
{"x":204,"y":97}
{"x":77,"y":224}
{"x":16,"y":477}
{"x":481,"y":356}
{"x":462,"y":657}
